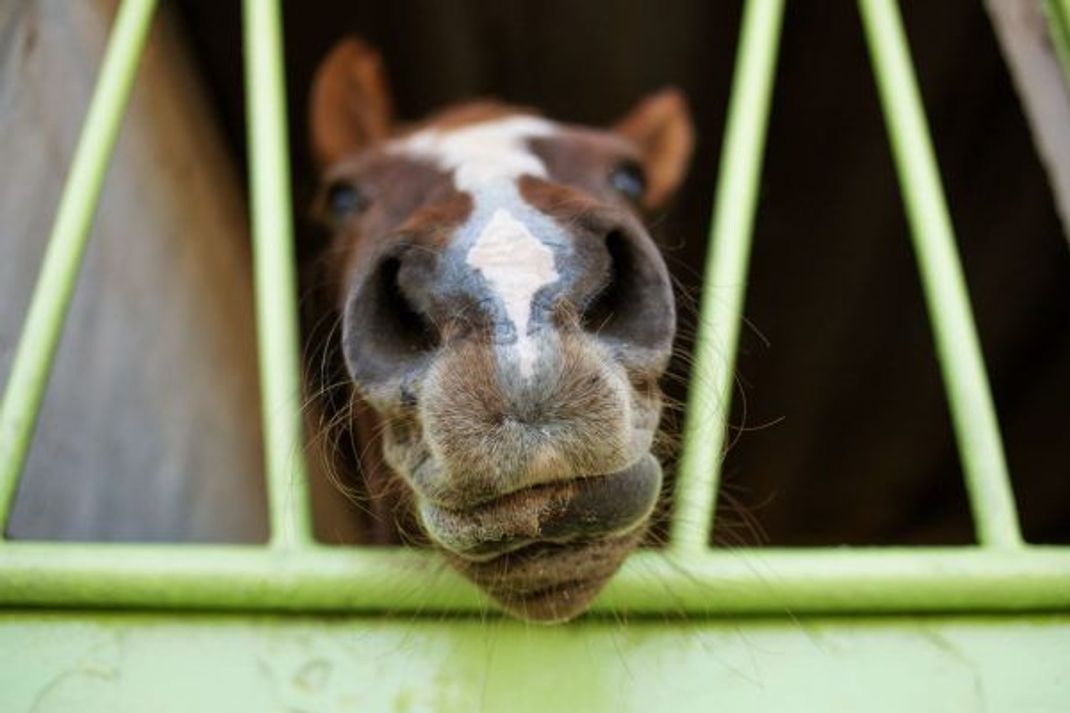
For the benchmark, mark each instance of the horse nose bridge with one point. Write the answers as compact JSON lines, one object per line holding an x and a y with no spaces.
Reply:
{"x":513,"y":258}
{"x":519,"y":266}
{"x":498,"y":276}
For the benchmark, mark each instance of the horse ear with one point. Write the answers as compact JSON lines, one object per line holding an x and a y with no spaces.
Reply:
{"x":350,"y":105}
{"x":660,"y":125}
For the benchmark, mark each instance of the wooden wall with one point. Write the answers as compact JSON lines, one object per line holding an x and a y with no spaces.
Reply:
{"x":150,"y":428}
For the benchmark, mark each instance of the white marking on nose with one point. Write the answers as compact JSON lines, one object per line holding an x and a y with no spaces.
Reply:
{"x":486,"y":161}
{"x":517,"y":265}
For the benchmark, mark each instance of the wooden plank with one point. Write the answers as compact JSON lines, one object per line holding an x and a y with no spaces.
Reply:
{"x":150,"y":428}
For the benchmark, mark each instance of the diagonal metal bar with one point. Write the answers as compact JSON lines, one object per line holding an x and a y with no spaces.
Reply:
{"x":958,"y":348}
{"x":66,"y":246}
{"x":724,"y":281}
{"x":1058,"y":12}
{"x":275,"y":276}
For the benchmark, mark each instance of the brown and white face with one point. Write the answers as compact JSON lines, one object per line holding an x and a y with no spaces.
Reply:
{"x":507,"y":316}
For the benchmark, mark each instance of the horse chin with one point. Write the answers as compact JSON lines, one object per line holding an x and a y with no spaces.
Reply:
{"x":549,"y":582}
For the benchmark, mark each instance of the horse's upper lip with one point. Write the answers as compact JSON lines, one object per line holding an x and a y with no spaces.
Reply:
{"x":579,"y":508}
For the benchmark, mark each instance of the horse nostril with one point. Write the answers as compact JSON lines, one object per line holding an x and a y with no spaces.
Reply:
{"x":604,"y":307}
{"x":407,"y":326}
{"x":385,"y":332}
{"x":635,"y":304}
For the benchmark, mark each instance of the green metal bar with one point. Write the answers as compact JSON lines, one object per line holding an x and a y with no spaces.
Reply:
{"x":957,"y":345}
{"x":407,"y":580}
{"x":725,"y":277}
{"x":66,"y":245}
{"x":1058,"y":13}
{"x":276,"y":282}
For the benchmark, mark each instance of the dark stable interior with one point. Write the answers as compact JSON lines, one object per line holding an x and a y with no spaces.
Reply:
{"x":840,"y":430}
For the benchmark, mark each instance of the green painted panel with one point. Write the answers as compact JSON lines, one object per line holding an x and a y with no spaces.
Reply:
{"x":116,"y":662}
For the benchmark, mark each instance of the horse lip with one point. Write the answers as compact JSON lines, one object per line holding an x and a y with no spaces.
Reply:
{"x":558,"y":512}
{"x":550,"y":583}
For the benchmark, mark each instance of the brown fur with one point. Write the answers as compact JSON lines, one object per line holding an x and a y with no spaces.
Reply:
{"x":351,"y":104}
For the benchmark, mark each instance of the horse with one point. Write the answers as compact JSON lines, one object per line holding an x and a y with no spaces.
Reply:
{"x":503,"y":317}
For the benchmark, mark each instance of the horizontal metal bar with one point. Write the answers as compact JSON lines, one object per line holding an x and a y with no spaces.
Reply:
{"x":289,"y":512}
{"x":725,"y":279}
{"x":966,"y":579}
{"x":66,"y":245}
{"x":958,"y":348}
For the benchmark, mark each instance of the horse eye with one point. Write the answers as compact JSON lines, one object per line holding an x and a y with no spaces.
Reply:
{"x":628,"y":180}
{"x":345,"y":200}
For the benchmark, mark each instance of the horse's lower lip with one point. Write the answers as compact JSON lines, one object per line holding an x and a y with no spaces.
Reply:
{"x":582,"y":508}
{"x":549,"y":582}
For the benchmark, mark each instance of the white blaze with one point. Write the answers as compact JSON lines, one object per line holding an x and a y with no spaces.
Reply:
{"x":517,"y":265}
{"x":486,"y":161}
{"x":482,"y":154}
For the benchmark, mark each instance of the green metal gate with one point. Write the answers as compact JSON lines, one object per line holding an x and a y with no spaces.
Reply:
{"x":297,"y":625}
